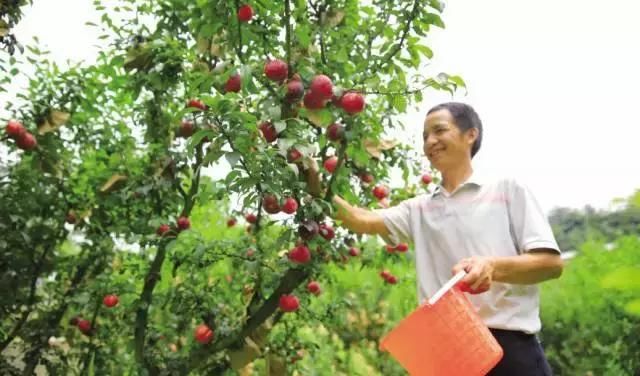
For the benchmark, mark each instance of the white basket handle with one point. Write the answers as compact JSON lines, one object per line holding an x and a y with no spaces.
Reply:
{"x":452,"y":282}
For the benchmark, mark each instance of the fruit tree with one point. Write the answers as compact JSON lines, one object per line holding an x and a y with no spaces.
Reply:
{"x":160,"y":208}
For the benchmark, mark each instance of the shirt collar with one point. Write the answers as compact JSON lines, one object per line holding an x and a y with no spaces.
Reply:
{"x":476,"y":179}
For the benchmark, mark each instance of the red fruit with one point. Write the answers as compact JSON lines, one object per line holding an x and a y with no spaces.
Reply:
{"x":183,"y":223}
{"x":313,"y":101}
{"x":270,"y":204}
{"x":84,"y":326}
{"x":295,"y":91}
{"x":186,"y":129}
{"x":402,"y":247}
{"x":276,"y":70}
{"x":71,"y":218}
{"x":426,"y":179}
{"x":385,"y":274}
{"x":231,"y":222}
{"x":352,"y":102}
{"x":308,"y":229}
{"x":366,"y":177}
{"x":26,"y":141}
{"x":380,"y":191}
{"x":203,"y":334}
{"x":330,"y":164}
{"x":14,"y":129}
{"x":233,"y":84}
{"x":392,"y":280}
{"x":268,"y":131}
{"x":163,"y":229}
{"x":290,"y":205}
{"x":335,"y":132}
{"x":390,"y":249}
{"x":289,"y":303}
{"x":294,"y":155}
{"x":300,"y":254}
{"x":251,"y":218}
{"x":110,"y":300}
{"x":245,"y":13}
{"x":313,"y":287}
{"x":326,"y":231}
{"x":354,"y":252}
{"x":196,"y":103}
{"x":321,"y":86}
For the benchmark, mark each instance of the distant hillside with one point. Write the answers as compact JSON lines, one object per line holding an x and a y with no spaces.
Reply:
{"x":572,"y":227}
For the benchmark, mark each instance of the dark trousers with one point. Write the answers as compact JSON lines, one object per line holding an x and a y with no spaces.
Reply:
{"x":523,"y":355}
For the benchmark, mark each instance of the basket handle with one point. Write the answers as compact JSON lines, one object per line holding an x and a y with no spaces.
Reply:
{"x":446,"y":287}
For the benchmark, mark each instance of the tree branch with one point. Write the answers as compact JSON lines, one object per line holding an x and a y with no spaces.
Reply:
{"x":291,"y":279}
{"x":92,"y":346}
{"x":287,"y":20}
{"x":153,"y":275}
{"x":145,"y":302}
{"x":407,"y":27}
{"x":30,"y":300}
{"x":239,"y":45}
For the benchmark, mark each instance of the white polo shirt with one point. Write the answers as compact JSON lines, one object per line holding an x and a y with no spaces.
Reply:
{"x":479,"y":218}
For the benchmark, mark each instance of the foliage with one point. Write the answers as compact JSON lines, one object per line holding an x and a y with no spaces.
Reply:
{"x":574,"y":227}
{"x":587,"y":328}
{"x":79,"y":213}
{"x":11,"y":12}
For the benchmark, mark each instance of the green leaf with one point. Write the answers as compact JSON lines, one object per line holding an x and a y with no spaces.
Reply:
{"x":457,"y":80}
{"x":426,"y":51}
{"x":233,"y":158}
{"x":434,"y":19}
{"x":280,"y":125}
{"x":399,"y":102}
{"x":303,"y":34}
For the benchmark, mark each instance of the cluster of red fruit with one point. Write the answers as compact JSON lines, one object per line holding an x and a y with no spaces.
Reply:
{"x":272,"y":206}
{"x":320,"y":92}
{"x":182,"y":224}
{"x":388,"y":277}
{"x":291,"y":303}
{"x":287,"y":303}
{"x":84,"y":325}
{"x":16,"y":131}
{"x":402,"y":248}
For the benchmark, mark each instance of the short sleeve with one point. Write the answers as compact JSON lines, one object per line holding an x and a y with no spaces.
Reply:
{"x":529,"y":225}
{"x":397,"y":219}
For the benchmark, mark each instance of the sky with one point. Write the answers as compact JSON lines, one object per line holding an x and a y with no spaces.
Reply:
{"x":554,"y":83}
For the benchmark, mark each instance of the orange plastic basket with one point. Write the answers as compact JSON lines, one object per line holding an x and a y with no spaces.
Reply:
{"x":444,"y":337}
